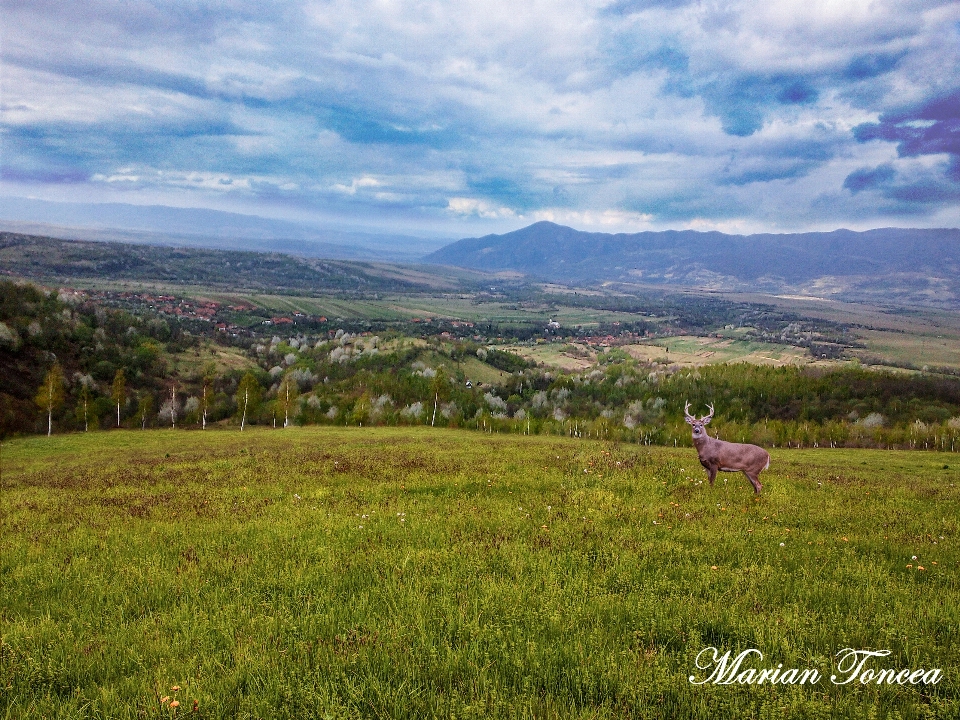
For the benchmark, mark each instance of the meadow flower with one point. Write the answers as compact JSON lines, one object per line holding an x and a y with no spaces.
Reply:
{"x":175,"y":688}
{"x":175,"y":704}
{"x":914,"y":557}
{"x":782,"y":544}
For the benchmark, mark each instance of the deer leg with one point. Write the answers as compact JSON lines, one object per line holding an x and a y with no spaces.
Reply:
{"x":711,"y":473}
{"x":754,"y":480}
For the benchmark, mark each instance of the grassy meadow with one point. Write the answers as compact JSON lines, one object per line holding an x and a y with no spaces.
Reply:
{"x":409,"y":573}
{"x":690,"y":351}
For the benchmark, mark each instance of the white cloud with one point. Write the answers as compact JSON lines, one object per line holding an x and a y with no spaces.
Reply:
{"x":476,"y":115}
{"x":480,"y":208}
{"x":357,"y":183}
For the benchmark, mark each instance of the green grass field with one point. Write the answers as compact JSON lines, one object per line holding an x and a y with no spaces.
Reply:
{"x":691,"y":351}
{"x":410,"y":573}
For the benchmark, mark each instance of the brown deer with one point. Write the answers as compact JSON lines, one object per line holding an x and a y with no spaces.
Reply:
{"x":726,"y":456}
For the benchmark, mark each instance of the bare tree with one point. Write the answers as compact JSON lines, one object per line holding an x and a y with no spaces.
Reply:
{"x":170,"y":409}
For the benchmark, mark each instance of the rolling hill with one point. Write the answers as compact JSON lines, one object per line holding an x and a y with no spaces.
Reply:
{"x":46,"y":259}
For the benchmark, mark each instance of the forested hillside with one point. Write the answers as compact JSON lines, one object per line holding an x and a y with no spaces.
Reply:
{"x":50,"y":259}
{"x":97,"y":358}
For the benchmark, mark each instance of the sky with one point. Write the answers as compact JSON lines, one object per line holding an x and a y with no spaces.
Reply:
{"x":469,"y":118}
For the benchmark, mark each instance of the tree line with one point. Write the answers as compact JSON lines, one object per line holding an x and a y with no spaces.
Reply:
{"x":83,"y":368}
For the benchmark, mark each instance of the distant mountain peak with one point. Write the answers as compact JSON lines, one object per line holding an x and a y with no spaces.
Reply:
{"x":899,"y":264}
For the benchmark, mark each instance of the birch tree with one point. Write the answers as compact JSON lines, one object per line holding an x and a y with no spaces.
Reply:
{"x":170,"y":409}
{"x":361,"y":409}
{"x":440,"y":386}
{"x":248,"y":397}
{"x":287,"y":396}
{"x":119,"y":392}
{"x":145,"y":409}
{"x":207,"y":394}
{"x":50,"y":395}
{"x":83,"y":406}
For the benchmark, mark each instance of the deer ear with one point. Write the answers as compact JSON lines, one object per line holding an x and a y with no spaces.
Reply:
{"x":706,"y":420}
{"x":689,"y":420}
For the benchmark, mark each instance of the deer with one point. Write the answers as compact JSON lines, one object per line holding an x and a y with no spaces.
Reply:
{"x":719,"y":455}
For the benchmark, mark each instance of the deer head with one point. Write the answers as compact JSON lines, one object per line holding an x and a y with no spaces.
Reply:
{"x":697,"y":425}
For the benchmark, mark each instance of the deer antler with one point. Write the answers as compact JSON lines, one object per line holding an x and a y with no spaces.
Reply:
{"x":708,"y":417}
{"x":686,"y":409}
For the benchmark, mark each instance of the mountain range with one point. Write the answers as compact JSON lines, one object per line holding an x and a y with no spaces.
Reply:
{"x":888,"y":264}
{"x":205,"y":228}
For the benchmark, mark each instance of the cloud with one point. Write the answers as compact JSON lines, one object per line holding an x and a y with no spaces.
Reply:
{"x":872,"y":65}
{"x":743,"y":102}
{"x":632,"y":113}
{"x":869,"y":178}
{"x":480,"y":208}
{"x":929,"y":128}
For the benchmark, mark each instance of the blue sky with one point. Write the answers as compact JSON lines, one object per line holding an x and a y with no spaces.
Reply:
{"x":466,"y":118}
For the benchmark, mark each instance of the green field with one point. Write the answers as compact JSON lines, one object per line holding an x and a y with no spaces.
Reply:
{"x":908,"y":337}
{"x":690,"y":351}
{"x":410,"y":573}
{"x":407,"y":307}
